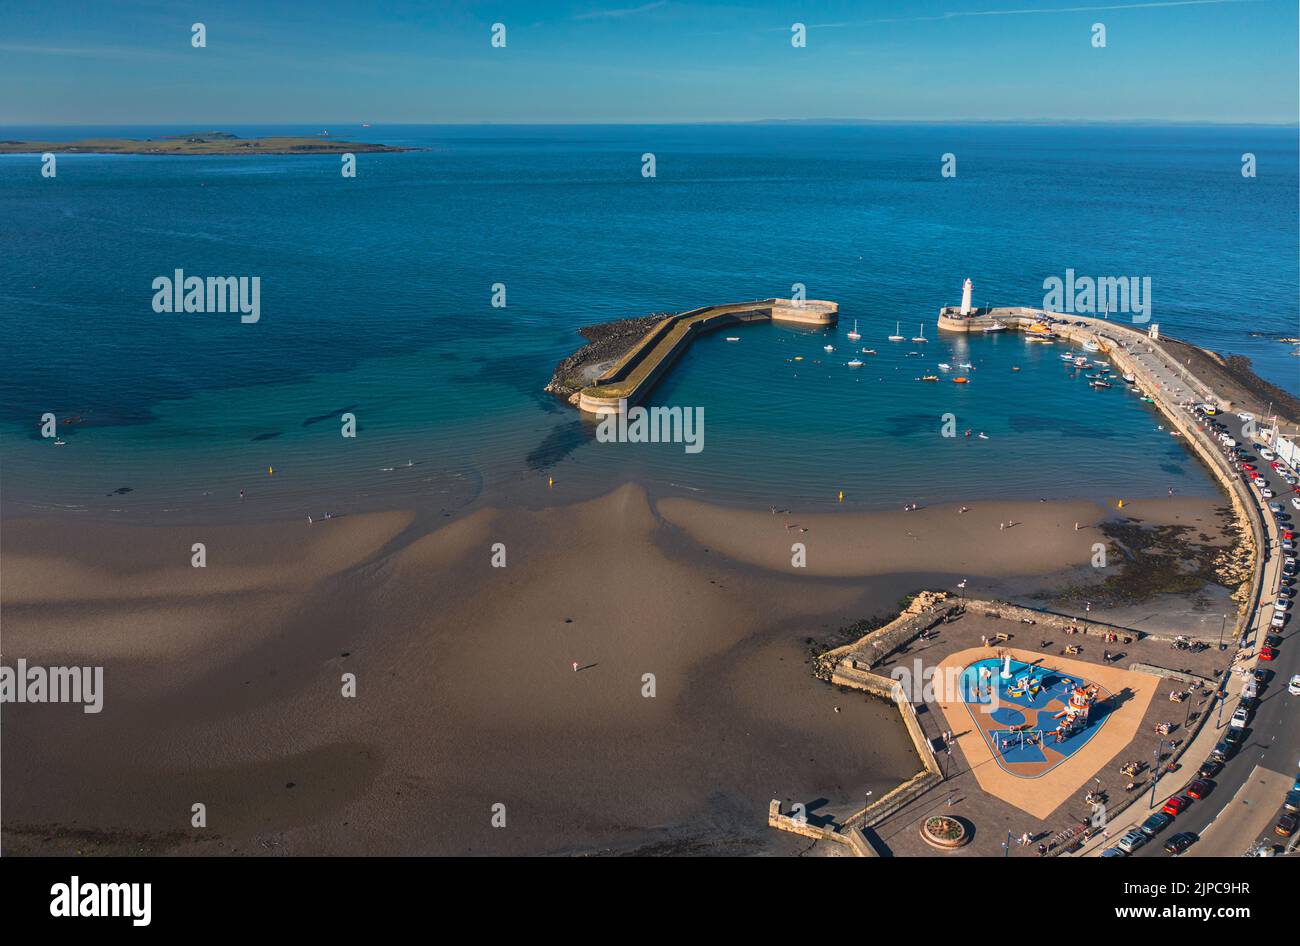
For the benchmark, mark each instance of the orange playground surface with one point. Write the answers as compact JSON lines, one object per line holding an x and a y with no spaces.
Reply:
{"x":1040,"y":790}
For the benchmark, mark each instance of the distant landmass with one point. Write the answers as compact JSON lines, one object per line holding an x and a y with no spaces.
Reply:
{"x":210,"y":142}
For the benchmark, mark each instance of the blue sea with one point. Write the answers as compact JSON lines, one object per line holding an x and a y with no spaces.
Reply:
{"x":376,"y":300}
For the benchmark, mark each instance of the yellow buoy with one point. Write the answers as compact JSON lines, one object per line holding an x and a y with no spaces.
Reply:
{"x":550,"y":481}
{"x":841,"y":496}
{"x":270,"y":471}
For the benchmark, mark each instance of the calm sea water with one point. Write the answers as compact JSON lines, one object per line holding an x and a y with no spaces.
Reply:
{"x":376,"y":300}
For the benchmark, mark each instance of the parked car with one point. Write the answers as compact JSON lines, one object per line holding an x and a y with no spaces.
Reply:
{"x":1281,"y":604}
{"x":1235,"y":737}
{"x":1273,"y":640}
{"x":1156,"y":823}
{"x":1292,"y":801}
{"x":1285,"y":826}
{"x":1199,"y":788}
{"x":1278,"y":619}
{"x":1180,"y":842}
{"x":1114,"y":852}
{"x":1267,"y":653}
{"x":1222,"y":751}
{"x":1294,"y":686}
{"x":1209,"y":768}
{"x":1132,"y":841}
{"x":1176,"y":805}
{"x":1239,"y":719}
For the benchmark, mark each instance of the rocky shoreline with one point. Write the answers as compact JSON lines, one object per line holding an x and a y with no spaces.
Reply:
{"x":606,"y":343}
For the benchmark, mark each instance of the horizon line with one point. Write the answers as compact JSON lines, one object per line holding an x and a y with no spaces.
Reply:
{"x":351,"y":123}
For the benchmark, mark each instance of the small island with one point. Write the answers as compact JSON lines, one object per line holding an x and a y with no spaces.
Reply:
{"x":213,"y":142}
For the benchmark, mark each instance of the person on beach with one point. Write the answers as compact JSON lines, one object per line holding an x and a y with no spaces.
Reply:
{"x":575,"y":666}
{"x":1076,"y":527}
{"x":241,"y":495}
{"x":309,"y":520}
{"x":1002,"y":526}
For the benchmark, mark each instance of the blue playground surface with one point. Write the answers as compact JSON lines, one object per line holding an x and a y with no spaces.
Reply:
{"x":1035,"y":750}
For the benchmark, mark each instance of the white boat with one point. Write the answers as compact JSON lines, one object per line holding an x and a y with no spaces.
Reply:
{"x":868,"y":351}
{"x":944,"y":366}
{"x":1090,"y":345}
{"x":1129,"y":378}
{"x":733,"y":338}
{"x":983,"y":436}
{"x":59,"y":442}
{"x":995,"y":327}
{"x":966,"y":366}
{"x":1069,"y":356}
{"x":828,"y":348}
{"x":896,"y":337}
{"x":853,"y":335}
{"x":920,"y":339}
{"x":856,"y":363}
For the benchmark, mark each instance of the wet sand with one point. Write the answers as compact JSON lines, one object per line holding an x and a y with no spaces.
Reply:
{"x":223,"y":683}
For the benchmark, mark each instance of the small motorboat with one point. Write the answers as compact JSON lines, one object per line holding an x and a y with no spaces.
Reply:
{"x":853,"y":335}
{"x":1090,"y":345}
{"x":868,"y":351}
{"x":944,"y":366}
{"x":1101,"y":384}
{"x":798,"y":357}
{"x":856,"y":363}
{"x":896,"y":337}
{"x":928,"y":377}
{"x":967,"y":366}
{"x":913,"y":354}
{"x":828,"y":348}
{"x":60,"y":442}
{"x":1068,"y":356}
{"x":733,"y":338}
{"x":1015,"y":367}
{"x":961,"y":380}
{"x":983,"y":436}
{"x":995,"y":327}
{"x":1129,"y":378}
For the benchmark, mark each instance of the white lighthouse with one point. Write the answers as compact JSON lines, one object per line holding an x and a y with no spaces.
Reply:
{"x":965,"y":297}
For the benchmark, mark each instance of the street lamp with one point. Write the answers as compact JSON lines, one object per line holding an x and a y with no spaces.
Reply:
{"x":1222,"y":626}
{"x":1155,"y":773}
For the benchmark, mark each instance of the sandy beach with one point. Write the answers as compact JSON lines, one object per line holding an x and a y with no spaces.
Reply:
{"x":223,"y":683}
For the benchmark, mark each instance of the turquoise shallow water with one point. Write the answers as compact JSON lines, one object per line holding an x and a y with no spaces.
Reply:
{"x":376,"y":292}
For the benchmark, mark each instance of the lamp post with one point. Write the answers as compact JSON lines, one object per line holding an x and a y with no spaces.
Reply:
{"x":1155,"y":773}
{"x":1222,"y":626}
{"x":1006,"y":845}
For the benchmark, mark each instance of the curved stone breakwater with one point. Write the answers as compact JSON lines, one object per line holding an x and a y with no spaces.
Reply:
{"x":630,"y":378}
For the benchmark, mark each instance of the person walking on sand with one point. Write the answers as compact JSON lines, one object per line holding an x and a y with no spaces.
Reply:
{"x":1002,"y":526}
{"x":241,"y":495}
{"x":309,"y":520}
{"x":575,"y":666}
{"x":1076,"y":527}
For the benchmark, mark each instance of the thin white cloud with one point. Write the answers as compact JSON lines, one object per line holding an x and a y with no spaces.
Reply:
{"x":624,"y":11}
{"x":1092,"y":8}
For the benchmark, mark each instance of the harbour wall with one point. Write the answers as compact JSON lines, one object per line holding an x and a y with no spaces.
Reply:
{"x":633,"y":376}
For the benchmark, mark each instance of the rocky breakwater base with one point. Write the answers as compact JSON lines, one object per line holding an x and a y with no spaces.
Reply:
{"x":606,"y":343}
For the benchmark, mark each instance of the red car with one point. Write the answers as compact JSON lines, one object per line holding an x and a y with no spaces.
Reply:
{"x":1176,"y":804}
{"x":1288,"y":534}
{"x":1267,"y":653}
{"x":1247,"y":466}
{"x":1275,"y":465}
{"x":1199,"y":788}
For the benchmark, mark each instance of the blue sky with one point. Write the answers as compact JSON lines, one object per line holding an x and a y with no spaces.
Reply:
{"x":130,"y":61}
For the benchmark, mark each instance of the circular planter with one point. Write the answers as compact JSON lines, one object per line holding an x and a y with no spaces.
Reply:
{"x":944,"y":832}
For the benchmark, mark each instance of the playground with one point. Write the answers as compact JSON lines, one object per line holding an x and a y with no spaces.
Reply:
{"x":1039,"y":743}
{"x":1032,"y":716}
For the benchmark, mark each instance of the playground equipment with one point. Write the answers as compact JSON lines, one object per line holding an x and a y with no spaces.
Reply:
{"x":1074,"y":717}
